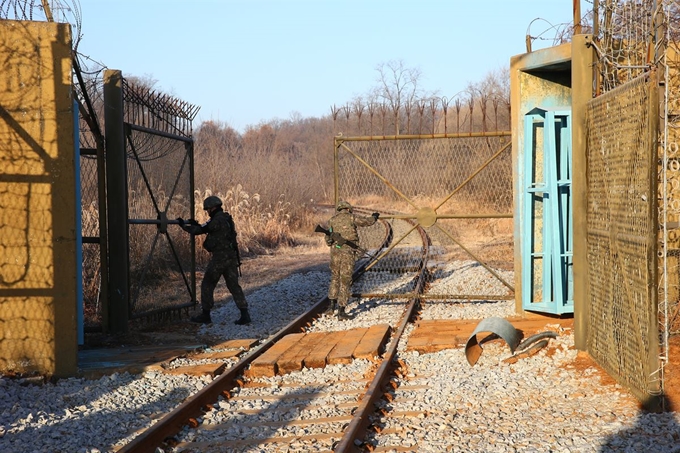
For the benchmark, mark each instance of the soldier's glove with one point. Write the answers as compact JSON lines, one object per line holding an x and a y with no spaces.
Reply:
{"x":193,"y":221}
{"x":182,"y":223}
{"x":376,"y":215}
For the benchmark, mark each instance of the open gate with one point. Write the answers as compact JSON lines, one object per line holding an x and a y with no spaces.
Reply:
{"x":622,"y":230}
{"x":160,"y":188}
{"x":458,"y":187}
{"x":149,"y":182}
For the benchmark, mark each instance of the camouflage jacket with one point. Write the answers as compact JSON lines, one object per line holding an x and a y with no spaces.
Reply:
{"x":346,"y":223}
{"x":221,"y":233}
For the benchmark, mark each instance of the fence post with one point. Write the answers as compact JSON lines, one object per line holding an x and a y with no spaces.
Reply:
{"x":117,"y":307}
{"x":582,"y":92}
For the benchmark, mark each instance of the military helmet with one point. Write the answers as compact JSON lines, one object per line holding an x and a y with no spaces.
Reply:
{"x":212,"y":202}
{"x":344,"y":205}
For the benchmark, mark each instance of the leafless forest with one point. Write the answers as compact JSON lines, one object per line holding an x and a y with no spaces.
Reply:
{"x":273,"y":174}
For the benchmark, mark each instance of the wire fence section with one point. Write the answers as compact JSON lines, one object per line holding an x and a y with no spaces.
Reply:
{"x":458,"y":189}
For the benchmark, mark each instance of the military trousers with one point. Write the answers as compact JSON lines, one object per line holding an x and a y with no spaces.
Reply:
{"x":221,"y":267}
{"x":342,"y":267}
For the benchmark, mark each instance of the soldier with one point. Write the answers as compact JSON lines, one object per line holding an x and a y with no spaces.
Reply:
{"x":343,"y":257}
{"x":224,"y":260}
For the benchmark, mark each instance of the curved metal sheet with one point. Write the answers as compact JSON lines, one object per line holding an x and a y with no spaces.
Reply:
{"x":494,"y":325}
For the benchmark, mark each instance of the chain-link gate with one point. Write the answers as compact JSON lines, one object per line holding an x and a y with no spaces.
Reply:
{"x":157,"y":182}
{"x":458,"y":187}
{"x":632,"y":198}
{"x":623,"y":332}
{"x":159,"y":149}
{"x":88,"y":95}
{"x":93,"y":236}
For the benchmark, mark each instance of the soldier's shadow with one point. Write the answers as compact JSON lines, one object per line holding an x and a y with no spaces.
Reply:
{"x":654,"y":432}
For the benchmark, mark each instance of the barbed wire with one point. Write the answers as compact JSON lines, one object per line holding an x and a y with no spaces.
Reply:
{"x":62,"y":11}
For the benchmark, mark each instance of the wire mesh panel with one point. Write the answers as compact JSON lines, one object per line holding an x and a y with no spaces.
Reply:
{"x":630,"y":40}
{"x":669,"y":181}
{"x":90,"y":227}
{"x":457,"y":187}
{"x":622,"y":235}
{"x":159,"y":189}
{"x":88,"y":92}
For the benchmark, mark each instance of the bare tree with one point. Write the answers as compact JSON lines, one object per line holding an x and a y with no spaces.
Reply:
{"x":492,"y":96}
{"x":398,"y":87}
{"x":217,"y":147}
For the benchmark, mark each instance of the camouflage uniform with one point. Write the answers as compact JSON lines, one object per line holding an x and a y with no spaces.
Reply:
{"x":343,"y":257}
{"x":220,"y":242}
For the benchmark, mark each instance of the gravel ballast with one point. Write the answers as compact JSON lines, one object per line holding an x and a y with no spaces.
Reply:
{"x":538,"y":404}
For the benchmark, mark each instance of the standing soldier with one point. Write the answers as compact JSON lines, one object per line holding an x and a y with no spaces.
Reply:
{"x":343,"y":257}
{"x":224,"y":260}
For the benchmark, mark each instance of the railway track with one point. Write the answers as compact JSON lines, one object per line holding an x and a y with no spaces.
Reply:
{"x":242,"y":410}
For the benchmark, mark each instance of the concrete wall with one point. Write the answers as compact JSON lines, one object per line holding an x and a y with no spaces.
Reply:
{"x":37,"y":200}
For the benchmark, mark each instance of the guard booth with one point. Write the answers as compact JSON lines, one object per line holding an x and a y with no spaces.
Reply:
{"x":546,"y":223}
{"x":544,"y":130}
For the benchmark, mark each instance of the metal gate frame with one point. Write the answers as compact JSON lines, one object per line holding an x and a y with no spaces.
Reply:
{"x":427,"y":216}
{"x":622,"y":236}
{"x":161,"y":220}
{"x":547,"y":227}
{"x":131,"y":111}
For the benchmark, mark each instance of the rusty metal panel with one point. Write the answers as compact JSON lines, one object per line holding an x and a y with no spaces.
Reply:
{"x":622,"y":235}
{"x":457,"y":186}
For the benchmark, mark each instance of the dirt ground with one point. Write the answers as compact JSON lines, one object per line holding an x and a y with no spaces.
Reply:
{"x":672,"y":375}
{"x":264,"y":270}
{"x":256,"y":273}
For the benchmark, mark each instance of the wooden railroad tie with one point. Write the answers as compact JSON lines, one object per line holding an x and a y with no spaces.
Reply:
{"x":318,"y":349}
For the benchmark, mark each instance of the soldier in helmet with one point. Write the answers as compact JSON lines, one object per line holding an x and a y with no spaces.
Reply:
{"x":224,"y":261}
{"x":343,"y":257}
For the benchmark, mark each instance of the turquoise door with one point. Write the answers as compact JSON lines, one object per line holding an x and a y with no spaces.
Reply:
{"x":546,"y":215}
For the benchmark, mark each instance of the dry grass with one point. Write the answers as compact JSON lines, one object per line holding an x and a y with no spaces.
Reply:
{"x":265,"y":228}
{"x":261,"y":227}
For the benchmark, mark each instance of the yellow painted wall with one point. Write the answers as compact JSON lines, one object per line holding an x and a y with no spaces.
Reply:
{"x":37,"y":200}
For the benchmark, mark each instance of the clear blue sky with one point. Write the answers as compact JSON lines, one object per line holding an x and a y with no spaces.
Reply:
{"x":247,"y":61}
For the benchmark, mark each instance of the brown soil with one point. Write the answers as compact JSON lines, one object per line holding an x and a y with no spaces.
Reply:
{"x":672,"y":374}
{"x":256,"y":272}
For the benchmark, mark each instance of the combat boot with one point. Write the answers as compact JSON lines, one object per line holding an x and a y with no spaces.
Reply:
{"x":245,"y":317}
{"x":203,"y":318}
{"x":332,"y":306}
{"x":342,"y":314}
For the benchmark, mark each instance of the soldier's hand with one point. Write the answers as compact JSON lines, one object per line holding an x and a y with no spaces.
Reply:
{"x":193,"y":221}
{"x":376,"y":215}
{"x":180,"y":220}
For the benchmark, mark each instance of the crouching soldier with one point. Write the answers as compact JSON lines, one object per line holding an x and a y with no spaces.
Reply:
{"x":224,"y":259}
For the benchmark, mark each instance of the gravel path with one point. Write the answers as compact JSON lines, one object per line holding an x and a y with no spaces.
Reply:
{"x":539,"y":404}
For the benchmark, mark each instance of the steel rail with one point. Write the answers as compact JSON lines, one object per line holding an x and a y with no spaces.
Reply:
{"x":352,"y":440}
{"x":194,"y":406}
